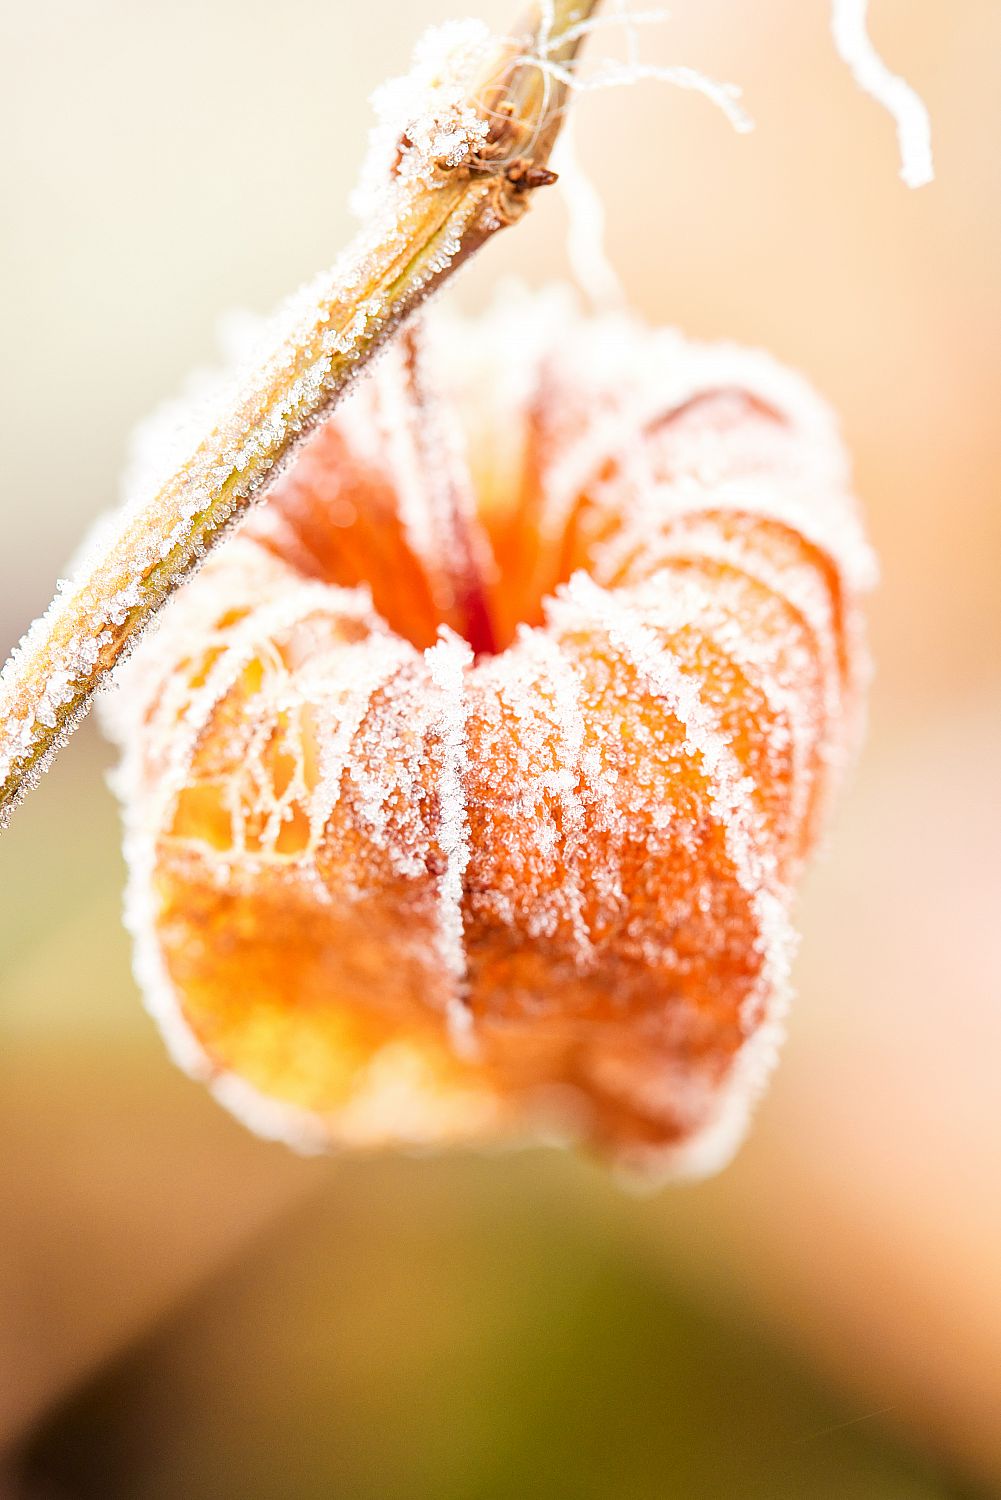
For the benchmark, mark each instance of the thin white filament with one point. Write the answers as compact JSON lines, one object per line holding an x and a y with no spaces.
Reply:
{"x":624,"y":17}
{"x":614,"y":74}
{"x":590,"y":265}
{"x":854,"y":45}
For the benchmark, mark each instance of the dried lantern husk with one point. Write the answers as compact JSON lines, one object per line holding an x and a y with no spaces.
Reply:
{"x":467,"y":787}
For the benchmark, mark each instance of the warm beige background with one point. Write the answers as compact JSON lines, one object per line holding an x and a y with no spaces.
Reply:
{"x":160,"y":163}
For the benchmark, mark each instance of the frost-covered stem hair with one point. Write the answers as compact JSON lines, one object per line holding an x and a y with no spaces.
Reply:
{"x":458,"y":180}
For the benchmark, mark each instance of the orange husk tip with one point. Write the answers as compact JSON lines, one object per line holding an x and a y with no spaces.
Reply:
{"x":466,"y":788}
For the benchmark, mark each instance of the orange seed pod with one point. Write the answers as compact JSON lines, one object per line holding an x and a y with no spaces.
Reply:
{"x":466,"y":788}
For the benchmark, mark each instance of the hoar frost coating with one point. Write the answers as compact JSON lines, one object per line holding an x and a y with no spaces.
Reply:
{"x":388,"y":886}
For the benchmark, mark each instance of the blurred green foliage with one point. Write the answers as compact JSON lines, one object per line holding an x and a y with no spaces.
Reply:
{"x":462,"y":1330}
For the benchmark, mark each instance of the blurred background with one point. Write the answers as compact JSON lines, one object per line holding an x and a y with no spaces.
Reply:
{"x":185,"y":1310}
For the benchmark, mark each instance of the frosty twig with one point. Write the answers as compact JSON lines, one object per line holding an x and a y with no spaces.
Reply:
{"x":463,"y":171}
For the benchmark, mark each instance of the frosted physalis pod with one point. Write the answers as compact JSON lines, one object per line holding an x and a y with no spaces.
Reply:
{"x":467,"y":786}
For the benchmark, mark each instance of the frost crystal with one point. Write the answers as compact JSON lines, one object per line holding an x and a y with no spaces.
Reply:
{"x":424,"y":121}
{"x":589,"y":263}
{"x":447,"y":662}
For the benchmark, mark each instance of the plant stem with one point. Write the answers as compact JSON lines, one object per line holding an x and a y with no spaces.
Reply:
{"x":428,"y":229}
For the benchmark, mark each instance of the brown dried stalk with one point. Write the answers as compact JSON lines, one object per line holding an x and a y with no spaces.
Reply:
{"x":431,"y":225}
